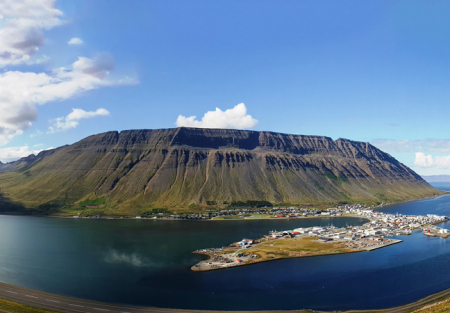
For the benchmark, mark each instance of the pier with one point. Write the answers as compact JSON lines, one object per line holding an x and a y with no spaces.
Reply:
{"x":315,"y":241}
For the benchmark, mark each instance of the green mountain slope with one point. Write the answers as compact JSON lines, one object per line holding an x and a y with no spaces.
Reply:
{"x":177,"y":167}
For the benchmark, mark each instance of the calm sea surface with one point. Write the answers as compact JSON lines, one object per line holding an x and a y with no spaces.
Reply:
{"x":142,"y":262}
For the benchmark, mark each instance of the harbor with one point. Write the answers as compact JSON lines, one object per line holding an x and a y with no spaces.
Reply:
{"x":146,"y":257}
{"x":323,"y":240}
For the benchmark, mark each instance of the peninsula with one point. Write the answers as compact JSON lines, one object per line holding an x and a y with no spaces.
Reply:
{"x":317,"y":241}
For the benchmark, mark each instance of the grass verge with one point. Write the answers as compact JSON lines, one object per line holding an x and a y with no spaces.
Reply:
{"x":14,"y":307}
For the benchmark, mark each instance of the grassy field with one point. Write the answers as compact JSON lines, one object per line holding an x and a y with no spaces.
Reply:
{"x":14,"y":307}
{"x":289,"y":248}
{"x":295,"y":247}
{"x":438,"y":307}
{"x":257,"y":216}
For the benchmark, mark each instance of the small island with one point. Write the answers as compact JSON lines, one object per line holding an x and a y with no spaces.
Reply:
{"x":317,"y":241}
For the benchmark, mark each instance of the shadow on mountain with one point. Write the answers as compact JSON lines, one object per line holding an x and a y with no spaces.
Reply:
{"x":9,"y":207}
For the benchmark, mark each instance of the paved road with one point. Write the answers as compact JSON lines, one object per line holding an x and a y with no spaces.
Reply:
{"x":69,"y":305}
{"x":73,"y":305}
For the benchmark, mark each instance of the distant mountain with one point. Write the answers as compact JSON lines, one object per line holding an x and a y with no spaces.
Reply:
{"x":437,"y":178}
{"x":173,"y":168}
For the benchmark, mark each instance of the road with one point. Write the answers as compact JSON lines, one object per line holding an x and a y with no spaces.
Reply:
{"x":70,"y":305}
{"x":73,"y":305}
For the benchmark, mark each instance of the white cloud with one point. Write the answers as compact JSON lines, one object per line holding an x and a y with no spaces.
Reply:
{"x":72,"y":120}
{"x":423,"y":160}
{"x":236,"y":117}
{"x":20,"y":92}
{"x":14,"y":153}
{"x":75,"y":41}
{"x":21,"y":34}
{"x":23,"y":30}
{"x":411,"y":146}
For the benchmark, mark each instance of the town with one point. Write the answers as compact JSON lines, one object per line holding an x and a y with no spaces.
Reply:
{"x":377,"y":233}
{"x":248,"y":213}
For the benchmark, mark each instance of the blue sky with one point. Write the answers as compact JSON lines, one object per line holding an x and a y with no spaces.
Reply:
{"x":372,"y":71}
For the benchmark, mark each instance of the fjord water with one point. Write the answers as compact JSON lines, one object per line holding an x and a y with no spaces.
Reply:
{"x":146,"y":262}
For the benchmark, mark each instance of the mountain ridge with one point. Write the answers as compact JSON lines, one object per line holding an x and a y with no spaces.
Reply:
{"x":177,"y":167}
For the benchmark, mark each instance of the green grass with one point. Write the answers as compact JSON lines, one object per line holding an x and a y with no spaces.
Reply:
{"x":233,"y":217}
{"x":98,"y":201}
{"x":250,"y":204}
{"x":319,"y":187}
{"x":381,"y":197}
{"x":286,"y":248}
{"x":260,"y":216}
{"x":333,"y":178}
{"x":15,"y":307}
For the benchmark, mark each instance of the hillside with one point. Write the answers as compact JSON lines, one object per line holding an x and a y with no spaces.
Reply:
{"x":172,"y":168}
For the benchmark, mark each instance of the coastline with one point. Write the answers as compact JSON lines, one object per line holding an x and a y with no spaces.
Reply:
{"x":297,"y":245}
{"x":278,"y":259}
{"x":445,"y":193}
{"x":65,"y":304}
{"x":111,"y":217}
{"x":434,"y":296}
{"x":206,"y":265}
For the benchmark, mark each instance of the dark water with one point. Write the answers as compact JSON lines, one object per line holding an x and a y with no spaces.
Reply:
{"x":140,"y":262}
{"x":143,"y":262}
{"x":441,"y":186}
{"x":439,"y":205}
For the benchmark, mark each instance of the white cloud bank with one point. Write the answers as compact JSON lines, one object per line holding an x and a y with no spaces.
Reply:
{"x":72,"y":120}
{"x":75,"y":41}
{"x":22,"y":26}
{"x":427,"y":161}
{"x":411,"y":146}
{"x":20,"y":92}
{"x":24,"y":22}
{"x":236,"y":117}
{"x":14,"y":153}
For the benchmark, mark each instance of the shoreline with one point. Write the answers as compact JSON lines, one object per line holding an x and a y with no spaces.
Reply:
{"x":67,"y":304}
{"x":190,"y":220}
{"x":395,"y":241}
{"x":432,"y":298}
{"x":445,"y":193}
{"x":259,"y":251}
{"x":205,"y":265}
{"x":109,"y":217}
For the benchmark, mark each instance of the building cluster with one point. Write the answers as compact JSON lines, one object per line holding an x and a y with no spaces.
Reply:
{"x":374,"y":234}
{"x":380,"y":225}
{"x":276,"y":212}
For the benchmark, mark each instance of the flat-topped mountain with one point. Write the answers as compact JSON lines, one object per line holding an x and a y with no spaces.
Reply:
{"x":176,"y":167}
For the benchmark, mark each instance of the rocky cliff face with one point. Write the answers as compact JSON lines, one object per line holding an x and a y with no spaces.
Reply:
{"x":176,"y":167}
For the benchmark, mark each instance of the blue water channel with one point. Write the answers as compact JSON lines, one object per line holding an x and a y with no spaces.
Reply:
{"x":147,"y":263}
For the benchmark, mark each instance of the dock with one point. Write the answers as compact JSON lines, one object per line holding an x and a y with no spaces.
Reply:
{"x":327,"y":240}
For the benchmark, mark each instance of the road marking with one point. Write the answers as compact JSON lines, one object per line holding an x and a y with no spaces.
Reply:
{"x":31,"y":296}
{"x":101,"y":309}
{"x":55,"y":306}
{"x":53,"y":301}
{"x":76,"y":305}
{"x":11,"y":291}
